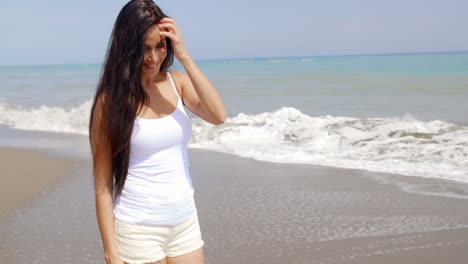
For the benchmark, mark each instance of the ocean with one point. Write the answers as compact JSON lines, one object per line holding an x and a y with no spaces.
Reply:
{"x":396,"y":113}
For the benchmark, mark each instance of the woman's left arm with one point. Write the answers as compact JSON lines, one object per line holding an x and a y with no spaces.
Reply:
{"x":199,"y":95}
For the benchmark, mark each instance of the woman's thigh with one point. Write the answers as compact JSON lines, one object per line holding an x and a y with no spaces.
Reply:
{"x":194,"y":257}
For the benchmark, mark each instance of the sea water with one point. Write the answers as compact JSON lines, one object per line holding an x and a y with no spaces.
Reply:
{"x":398,"y":113}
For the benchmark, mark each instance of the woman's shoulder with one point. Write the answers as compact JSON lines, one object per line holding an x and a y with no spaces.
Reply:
{"x":180,"y":78}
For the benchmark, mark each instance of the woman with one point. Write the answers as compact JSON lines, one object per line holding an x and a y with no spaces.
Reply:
{"x":139,"y":132}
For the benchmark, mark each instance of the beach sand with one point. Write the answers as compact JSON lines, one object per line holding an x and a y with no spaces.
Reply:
{"x":258,"y":212}
{"x":26,"y":173}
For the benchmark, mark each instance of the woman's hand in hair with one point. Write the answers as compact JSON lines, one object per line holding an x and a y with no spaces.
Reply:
{"x":168,"y":28}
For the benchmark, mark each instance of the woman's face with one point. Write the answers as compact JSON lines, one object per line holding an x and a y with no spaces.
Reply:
{"x":155,"y":52}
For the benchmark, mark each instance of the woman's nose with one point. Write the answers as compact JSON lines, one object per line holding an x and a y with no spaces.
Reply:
{"x":152,"y":56}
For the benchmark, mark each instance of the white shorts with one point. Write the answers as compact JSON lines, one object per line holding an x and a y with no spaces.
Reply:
{"x":139,"y":244}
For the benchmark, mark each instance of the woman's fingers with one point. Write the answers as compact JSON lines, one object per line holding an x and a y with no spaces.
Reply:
{"x":168,"y":22}
{"x":167,"y":34}
{"x":168,"y":28}
{"x":172,"y":29}
{"x":168,"y":25}
{"x":167,"y":19}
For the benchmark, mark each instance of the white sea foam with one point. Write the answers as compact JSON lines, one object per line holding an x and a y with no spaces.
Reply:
{"x":401,"y":145}
{"x":47,"y":118}
{"x":397,"y":145}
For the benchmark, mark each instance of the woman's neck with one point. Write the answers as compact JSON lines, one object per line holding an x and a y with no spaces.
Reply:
{"x":161,"y":76}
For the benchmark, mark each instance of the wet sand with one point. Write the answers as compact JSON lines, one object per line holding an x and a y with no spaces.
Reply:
{"x":261,"y":212}
{"x":26,"y":173}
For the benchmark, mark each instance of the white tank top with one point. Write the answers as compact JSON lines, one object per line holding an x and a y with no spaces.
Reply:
{"x":158,"y":189}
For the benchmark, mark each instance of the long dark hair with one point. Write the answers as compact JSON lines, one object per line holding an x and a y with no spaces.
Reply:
{"x":119,"y":92}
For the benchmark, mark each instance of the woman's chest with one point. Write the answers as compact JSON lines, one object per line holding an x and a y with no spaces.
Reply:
{"x":153,"y":135}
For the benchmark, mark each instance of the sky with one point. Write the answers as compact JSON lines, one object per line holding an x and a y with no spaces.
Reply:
{"x":62,"y":32}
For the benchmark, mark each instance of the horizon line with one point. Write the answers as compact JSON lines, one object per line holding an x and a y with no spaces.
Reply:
{"x":264,"y":57}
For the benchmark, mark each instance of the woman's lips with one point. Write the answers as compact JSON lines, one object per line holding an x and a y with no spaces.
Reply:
{"x":151,"y":66}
